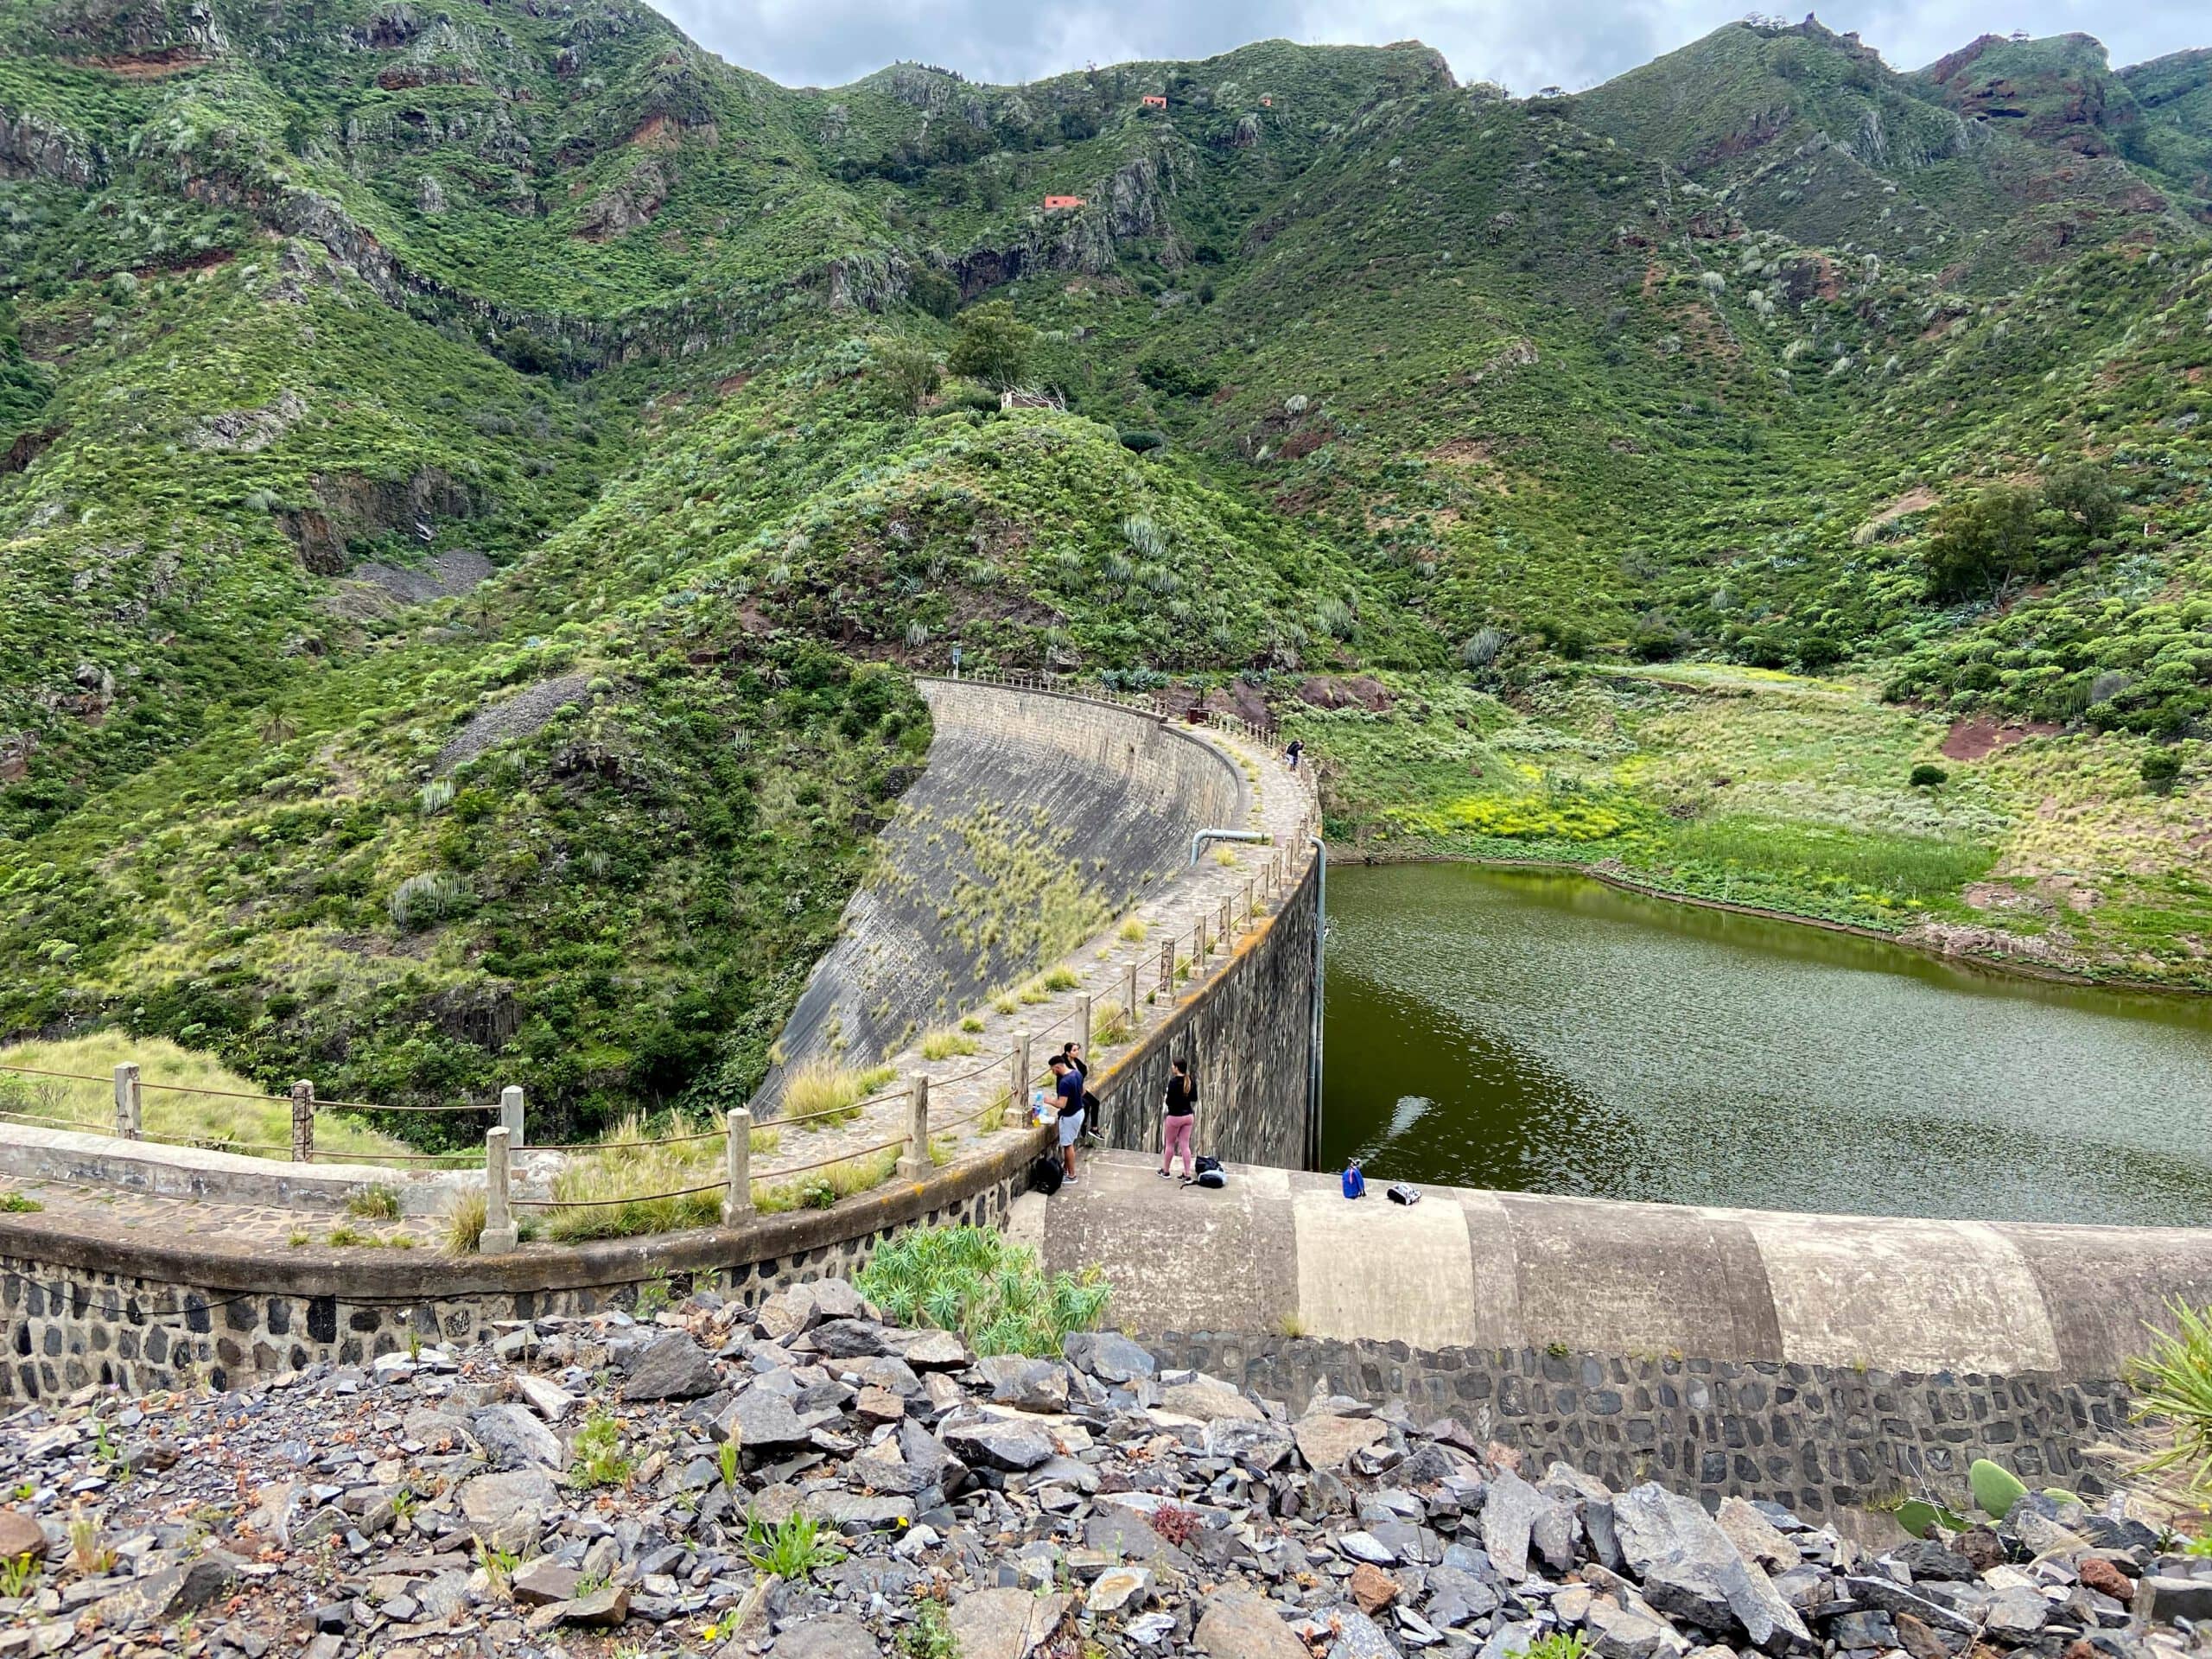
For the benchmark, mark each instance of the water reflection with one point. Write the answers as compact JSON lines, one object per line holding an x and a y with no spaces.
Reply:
{"x":1564,"y":1037}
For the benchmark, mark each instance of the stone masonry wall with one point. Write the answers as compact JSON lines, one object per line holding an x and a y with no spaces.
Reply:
{"x":1813,"y":1438}
{"x":68,"y":1328}
{"x":1248,"y":1034}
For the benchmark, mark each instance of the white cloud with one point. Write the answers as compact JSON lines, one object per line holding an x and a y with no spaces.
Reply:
{"x":1574,"y":43}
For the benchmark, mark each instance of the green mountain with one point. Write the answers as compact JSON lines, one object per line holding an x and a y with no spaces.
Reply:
{"x":473,"y":483}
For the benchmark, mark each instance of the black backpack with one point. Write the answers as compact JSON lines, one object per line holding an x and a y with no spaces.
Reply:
{"x":1209,"y":1171}
{"x":1047,"y":1175}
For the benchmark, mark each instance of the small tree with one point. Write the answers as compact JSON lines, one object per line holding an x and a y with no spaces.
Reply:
{"x":907,"y":375}
{"x":2084,"y":495}
{"x":1925,"y":776}
{"x":1982,"y":541}
{"x":936,"y":293}
{"x":992,"y":346}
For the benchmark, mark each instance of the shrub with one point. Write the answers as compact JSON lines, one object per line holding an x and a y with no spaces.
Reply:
{"x":597,"y":1456}
{"x":465,"y":1224}
{"x":1482,"y":648}
{"x":1140,"y":442}
{"x":944,"y":1044}
{"x":2173,"y":1386}
{"x":791,"y":1549}
{"x":993,"y":1292}
{"x":993,"y":346}
{"x":1925,"y":776}
{"x":378,"y":1203}
{"x":934,"y":293}
{"x":1336,"y":617}
{"x":420,"y":900}
{"x":1165,"y":374}
{"x":2160,"y":768}
{"x":907,"y":375}
{"x":825,"y":1087}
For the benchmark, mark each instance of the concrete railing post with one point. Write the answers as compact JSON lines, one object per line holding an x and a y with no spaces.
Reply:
{"x":1228,"y":921}
{"x":303,"y":1122}
{"x":737,"y":1198}
{"x":1018,"y":1087}
{"x":1249,"y":912}
{"x":1131,"y":1005}
{"x":511,"y":1115}
{"x":129,"y":1102}
{"x":499,"y":1235}
{"x":1168,"y":966}
{"x":1083,"y":1025}
{"x":915,"y":1163}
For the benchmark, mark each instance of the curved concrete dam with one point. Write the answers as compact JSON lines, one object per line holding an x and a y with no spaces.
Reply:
{"x":1040,"y":818}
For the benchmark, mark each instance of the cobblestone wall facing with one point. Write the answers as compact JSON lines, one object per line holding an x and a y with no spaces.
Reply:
{"x":1814,"y":1438}
{"x":68,"y":1328}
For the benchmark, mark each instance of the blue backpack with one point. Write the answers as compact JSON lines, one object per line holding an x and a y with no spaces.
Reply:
{"x":1355,"y":1183}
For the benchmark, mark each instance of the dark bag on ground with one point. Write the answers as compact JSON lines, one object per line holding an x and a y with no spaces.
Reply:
{"x":1046,"y":1175}
{"x":1209,"y":1171}
{"x":1399,"y":1192}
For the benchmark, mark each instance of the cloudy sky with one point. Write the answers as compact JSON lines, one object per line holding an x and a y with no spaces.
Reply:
{"x":1572,"y":44}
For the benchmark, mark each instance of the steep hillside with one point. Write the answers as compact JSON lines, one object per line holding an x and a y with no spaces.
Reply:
{"x":471,"y":486}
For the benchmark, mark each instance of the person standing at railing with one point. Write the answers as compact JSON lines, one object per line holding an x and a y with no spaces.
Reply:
{"x":1067,"y":1086}
{"x":1176,"y":1124}
{"x":1297,"y":747}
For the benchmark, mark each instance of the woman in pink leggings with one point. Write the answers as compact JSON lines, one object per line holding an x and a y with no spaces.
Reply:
{"x":1175,"y":1127}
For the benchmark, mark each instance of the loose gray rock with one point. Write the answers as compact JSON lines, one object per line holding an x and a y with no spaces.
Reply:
{"x":828,"y":1636}
{"x":1240,"y":1624}
{"x":673,"y":1367}
{"x":514,"y":1439}
{"x":1326,"y":1441}
{"x":1000,"y":1443}
{"x":1108,"y":1356}
{"x":1006,"y":1623}
{"x":1691,"y":1570}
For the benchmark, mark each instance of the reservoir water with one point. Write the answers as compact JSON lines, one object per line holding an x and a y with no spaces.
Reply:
{"x":1548,"y":1034}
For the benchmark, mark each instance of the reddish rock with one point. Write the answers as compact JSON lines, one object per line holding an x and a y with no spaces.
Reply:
{"x":1373,"y":1588}
{"x":2106,"y":1579}
{"x":20,"y":1536}
{"x":1362,"y":691}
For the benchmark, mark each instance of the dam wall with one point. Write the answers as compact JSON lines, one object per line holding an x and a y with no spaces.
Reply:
{"x":1247,"y":1038}
{"x":1041,"y":816}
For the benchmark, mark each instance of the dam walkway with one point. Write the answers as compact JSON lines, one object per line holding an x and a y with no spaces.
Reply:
{"x":1284,"y":1252}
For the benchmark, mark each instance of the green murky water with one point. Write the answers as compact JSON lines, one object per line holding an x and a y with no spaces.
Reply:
{"x":1546,"y":1034}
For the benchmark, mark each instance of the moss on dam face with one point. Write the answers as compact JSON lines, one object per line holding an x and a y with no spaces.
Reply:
{"x":1039,"y":818}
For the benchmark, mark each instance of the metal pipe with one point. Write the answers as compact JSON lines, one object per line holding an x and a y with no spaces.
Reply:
{"x":1320,"y":946}
{"x":1198,"y":841}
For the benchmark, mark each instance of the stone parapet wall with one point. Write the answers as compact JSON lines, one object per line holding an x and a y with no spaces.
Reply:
{"x":1815,"y":1438}
{"x":78,"y":1310}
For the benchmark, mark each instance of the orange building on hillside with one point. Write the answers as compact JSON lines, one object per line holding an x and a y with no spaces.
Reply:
{"x":1055,"y":204}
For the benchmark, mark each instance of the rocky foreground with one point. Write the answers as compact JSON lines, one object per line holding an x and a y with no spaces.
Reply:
{"x":607,"y":1487}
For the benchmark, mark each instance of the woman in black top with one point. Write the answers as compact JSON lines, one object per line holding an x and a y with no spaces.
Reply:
{"x":1175,"y":1127}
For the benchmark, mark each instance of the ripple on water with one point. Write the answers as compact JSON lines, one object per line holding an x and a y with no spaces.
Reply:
{"x":1548,"y":1034}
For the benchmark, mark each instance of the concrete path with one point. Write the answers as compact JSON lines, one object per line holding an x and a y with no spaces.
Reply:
{"x":1283,"y":1253}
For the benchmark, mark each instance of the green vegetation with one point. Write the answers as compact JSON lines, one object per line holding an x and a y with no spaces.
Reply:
{"x":598,"y":1459}
{"x":18,"y":1203}
{"x":971,"y":1280}
{"x":169,"y":1110}
{"x":471,"y":499}
{"x":790,"y":1548}
{"x":2172,"y":1382}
